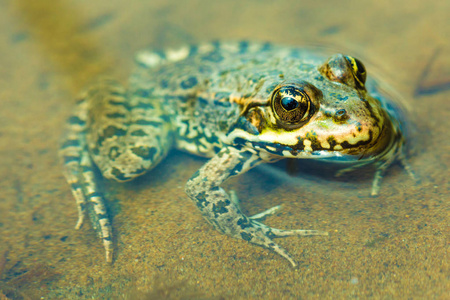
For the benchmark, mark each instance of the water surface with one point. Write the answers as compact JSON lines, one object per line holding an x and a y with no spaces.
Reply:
{"x":394,"y":246}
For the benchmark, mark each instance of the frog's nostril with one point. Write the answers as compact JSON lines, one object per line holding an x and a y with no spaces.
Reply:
{"x":340,"y":114}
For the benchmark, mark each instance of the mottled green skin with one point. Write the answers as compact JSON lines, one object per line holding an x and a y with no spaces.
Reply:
{"x":197,"y":92}
{"x":241,"y":104}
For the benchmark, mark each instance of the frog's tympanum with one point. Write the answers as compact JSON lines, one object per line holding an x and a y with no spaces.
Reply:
{"x":240,"y":104}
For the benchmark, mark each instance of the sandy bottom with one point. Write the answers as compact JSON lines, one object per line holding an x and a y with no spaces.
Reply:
{"x":394,"y":246}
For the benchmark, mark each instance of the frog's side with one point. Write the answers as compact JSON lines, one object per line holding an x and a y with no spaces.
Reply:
{"x":241,"y":104}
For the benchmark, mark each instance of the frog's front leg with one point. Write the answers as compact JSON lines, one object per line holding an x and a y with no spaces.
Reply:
{"x":221,"y":211}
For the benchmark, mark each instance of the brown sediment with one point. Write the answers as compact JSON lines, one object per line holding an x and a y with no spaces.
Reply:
{"x":391,"y":247}
{"x":435,"y":77}
{"x":67,"y":39}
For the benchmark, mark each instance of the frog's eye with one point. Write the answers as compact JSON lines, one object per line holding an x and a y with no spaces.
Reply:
{"x":345,"y":69}
{"x":359,"y":71}
{"x":291,"y":105}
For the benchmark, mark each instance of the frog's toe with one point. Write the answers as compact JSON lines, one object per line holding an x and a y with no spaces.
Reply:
{"x":404,"y":162}
{"x":262,"y":215}
{"x":279,"y":233}
{"x":261,"y":238}
{"x":264,"y":234}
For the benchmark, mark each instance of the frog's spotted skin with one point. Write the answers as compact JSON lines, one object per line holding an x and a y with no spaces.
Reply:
{"x":241,"y":104}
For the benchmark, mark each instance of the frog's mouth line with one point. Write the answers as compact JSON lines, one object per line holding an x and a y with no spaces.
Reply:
{"x":293,"y":146}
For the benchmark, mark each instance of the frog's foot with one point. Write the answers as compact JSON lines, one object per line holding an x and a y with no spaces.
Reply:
{"x":381,"y":167}
{"x":276,"y":233}
{"x":256,"y":219}
{"x":222,"y":210}
{"x":262,"y":235}
{"x":383,"y":164}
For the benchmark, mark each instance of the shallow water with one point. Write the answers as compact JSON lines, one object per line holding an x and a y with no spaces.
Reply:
{"x":394,"y":246}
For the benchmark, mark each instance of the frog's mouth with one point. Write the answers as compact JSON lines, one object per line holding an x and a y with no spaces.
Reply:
{"x":310,"y":142}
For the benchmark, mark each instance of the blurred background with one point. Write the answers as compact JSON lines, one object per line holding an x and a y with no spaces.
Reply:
{"x":394,"y":246}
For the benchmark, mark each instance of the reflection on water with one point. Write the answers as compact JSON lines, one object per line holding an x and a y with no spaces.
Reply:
{"x":392,"y":246}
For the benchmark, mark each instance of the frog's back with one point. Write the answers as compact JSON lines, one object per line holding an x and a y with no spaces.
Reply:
{"x":217,"y":67}
{"x":204,"y":87}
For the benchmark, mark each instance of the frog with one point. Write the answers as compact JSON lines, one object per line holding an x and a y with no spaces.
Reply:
{"x":239,"y":104}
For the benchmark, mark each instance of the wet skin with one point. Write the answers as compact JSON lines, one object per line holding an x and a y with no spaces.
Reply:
{"x":241,"y":104}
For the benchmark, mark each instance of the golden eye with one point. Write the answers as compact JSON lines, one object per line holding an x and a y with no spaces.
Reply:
{"x":359,"y":71}
{"x":291,"y":104}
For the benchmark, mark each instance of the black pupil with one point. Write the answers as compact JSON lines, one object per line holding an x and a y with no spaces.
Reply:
{"x":360,"y":66}
{"x":289,"y":103}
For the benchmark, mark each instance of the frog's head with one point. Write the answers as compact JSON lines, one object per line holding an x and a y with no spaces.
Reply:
{"x":324,"y":112}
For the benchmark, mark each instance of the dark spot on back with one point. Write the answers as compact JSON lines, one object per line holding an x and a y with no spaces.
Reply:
{"x":115,"y":115}
{"x":202,"y":101}
{"x":222,"y":95}
{"x":142,"y":93}
{"x":189,"y":83}
{"x":138,"y":132}
{"x":144,"y":105}
{"x":222,"y":103}
{"x":243,"y":46}
{"x":266,"y":46}
{"x":164,"y":83}
{"x":166,"y":118}
{"x":193,"y":50}
{"x":147,"y":123}
{"x":215,"y":44}
{"x":214,"y":56}
{"x":204,"y":69}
